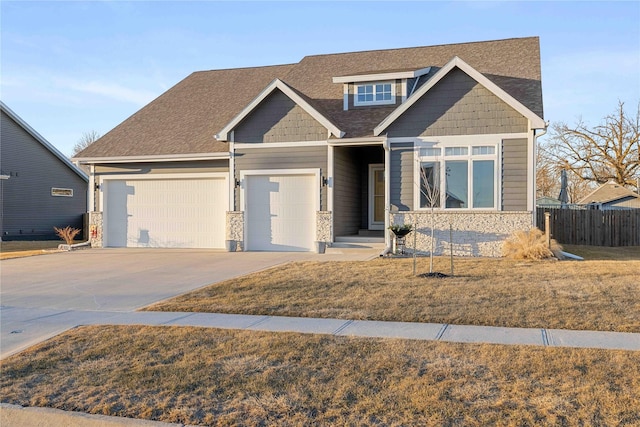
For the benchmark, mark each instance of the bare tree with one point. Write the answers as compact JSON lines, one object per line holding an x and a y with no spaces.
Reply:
{"x":429,"y":197}
{"x":607,"y":152}
{"x":548,"y":173}
{"x":85,"y":140}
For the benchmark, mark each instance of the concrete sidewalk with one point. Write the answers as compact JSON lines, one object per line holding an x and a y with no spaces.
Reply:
{"x":67,"y":319}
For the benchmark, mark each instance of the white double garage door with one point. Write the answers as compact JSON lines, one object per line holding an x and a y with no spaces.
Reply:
{"x":190,"y":211}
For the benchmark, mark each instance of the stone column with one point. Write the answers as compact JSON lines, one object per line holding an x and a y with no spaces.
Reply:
{"x":96,"y":229}
{"x":235,"y":231}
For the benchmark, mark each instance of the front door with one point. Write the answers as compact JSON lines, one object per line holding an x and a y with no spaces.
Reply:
{"x":376,"y":197}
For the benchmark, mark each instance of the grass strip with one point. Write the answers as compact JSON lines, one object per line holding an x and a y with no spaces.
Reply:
{"x":225,"y":377}
{"x":587,"y":295}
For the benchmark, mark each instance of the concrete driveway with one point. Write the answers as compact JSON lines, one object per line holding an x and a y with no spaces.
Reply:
{"x":42,"y":296}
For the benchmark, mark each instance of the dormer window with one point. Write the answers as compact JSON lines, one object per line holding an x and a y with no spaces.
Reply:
{"x":375,"y":94}
{"x":379,"y":87}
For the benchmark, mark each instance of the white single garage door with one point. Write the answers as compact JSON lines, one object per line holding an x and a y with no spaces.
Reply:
{"x":280,"y":212}
{"x":165,"y":213}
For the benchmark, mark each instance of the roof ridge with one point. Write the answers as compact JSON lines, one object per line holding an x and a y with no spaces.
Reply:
{"x":417,"y":47}
{"x":246,"y":68}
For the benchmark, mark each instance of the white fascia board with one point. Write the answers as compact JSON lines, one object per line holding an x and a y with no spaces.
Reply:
{"x":154,"y":158}
{"x":278,"y":84}
{"x":381,"y":76}
{"x":31,"y":131}
{"x":536,"y":122}
{"x":356,"y":141}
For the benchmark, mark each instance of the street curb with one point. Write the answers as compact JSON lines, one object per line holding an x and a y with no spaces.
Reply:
{"x":31,"y":416}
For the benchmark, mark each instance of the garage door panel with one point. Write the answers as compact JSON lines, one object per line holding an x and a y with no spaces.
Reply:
{"x":280,"y":212}
{"x":188,"y":213}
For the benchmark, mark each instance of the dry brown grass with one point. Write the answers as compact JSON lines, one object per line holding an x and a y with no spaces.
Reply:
{"x":18,"y":249}
{"x":218,"y":377}
{"x":623,"y":253}
{"x":591,"y":295}
{"x":530,"y":245}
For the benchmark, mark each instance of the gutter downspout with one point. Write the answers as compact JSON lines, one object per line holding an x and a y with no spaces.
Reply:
{"x":535,"y":156}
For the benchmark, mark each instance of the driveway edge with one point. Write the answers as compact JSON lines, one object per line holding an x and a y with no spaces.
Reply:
{"x":16,"y":415}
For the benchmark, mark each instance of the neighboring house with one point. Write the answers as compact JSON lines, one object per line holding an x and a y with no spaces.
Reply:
{"x":548,"y":202}
{"x":277,"y":158}
{"x":41,"y":188}
{"x":611,"y":196}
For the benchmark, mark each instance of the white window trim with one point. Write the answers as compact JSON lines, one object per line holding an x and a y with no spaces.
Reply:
{"x":466,"y":141}
{"x":357,"y":103}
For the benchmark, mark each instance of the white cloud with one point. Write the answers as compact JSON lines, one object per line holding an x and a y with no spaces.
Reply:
{"x":139,"y":97}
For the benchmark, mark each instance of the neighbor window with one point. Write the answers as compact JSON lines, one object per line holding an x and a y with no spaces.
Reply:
{"x":62,"y":192}
{"x":374,"y":93}
{"x":457,"y":179}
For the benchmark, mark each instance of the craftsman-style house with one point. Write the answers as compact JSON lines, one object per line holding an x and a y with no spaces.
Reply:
{"x":278,"y":158}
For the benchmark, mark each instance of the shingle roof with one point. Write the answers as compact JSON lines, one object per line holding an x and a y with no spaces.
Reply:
{"x":185,"y":119}
{"x":611,"y":192}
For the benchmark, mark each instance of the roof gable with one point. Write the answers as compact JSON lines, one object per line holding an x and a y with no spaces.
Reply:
{"x":40,"y":139}
{"x":278,"y":84}
{"x":456,"y":62}
{"x":607,"y":193}
{"x":184,"y":120}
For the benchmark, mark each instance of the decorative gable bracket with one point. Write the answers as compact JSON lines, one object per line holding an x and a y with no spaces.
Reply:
{"x":278,"y":84}
{"x":535,"y":121}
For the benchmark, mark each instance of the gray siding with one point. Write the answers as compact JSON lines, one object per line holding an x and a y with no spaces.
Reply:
{"x":402,"y":186}
{"x":279,"y":119}
{"x":458,"y":105}
{"x":314,"y":157}
{"x":346,"y":198}
{"x":514,"y":174}
{"x":28,"y":208}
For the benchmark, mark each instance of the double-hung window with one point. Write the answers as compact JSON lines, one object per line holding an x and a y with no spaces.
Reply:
{"x":374,"y":94}
{"x":458,"y":177}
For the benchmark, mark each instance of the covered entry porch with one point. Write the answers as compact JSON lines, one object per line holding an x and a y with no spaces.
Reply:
{"x":359,"y":192}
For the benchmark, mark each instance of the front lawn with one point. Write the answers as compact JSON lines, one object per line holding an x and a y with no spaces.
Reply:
{"x":19,"y":249}
{"x":222,"y":377}
{"x":585,"y":295}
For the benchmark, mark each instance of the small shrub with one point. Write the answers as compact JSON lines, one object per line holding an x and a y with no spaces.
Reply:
{"x":530,"y":245}
{"x":67,"y":234}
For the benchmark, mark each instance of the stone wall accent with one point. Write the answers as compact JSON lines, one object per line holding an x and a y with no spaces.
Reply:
{"x":96,"y":229}
{"x":473,"y":233}
{"x":323,"y":226}
{"x":235,"y":229}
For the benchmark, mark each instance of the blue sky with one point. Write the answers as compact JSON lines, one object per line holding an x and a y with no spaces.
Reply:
{"x":72,"y":67}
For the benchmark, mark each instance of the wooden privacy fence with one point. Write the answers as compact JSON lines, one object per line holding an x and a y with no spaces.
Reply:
{"x":592,"y":227}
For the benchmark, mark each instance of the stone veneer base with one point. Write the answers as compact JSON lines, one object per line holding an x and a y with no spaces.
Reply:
{"x":472,"y":233}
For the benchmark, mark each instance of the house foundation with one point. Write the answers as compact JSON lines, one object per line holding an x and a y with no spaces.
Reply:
{"x":480,"y":234}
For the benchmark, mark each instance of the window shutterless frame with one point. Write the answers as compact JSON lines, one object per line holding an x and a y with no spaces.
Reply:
{"x":468,"y":174}
{"x":374,"y":93}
